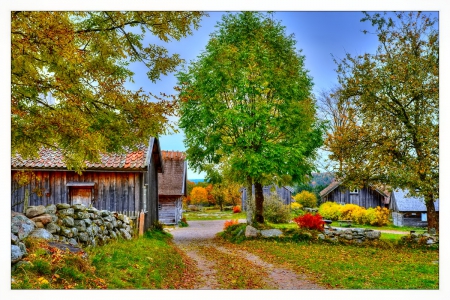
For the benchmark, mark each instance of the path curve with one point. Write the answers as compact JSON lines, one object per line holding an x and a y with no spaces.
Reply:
{"x":201,"y":234}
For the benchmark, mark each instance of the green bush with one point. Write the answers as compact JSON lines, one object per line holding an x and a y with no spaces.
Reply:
{"x":275,"y":211}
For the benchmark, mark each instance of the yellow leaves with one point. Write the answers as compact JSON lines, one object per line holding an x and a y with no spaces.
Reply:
{"x":42,"y":280}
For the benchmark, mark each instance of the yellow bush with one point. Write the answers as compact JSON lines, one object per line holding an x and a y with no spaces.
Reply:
{"x":381,"y":216}
{"x":347,"y":211}
{"x":306,"y":199}
{"x":330,"y":211}
{"x":296,"y":206}
{"x":359,"y":215}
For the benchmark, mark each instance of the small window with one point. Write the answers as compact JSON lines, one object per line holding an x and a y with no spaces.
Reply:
{"x":354,"y":191}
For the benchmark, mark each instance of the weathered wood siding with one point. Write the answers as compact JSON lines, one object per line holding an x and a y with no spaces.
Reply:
{"x":282,"y":192}
{"x":170,"y":209}
{"x":114,"y":191}
{"x":152,"y":196}
{"x":366,"y":197}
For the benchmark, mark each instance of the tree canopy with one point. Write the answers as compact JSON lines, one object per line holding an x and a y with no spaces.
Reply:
{"x":394,"y":100}
{"x":248,"y":98}
{"x":68,"y":71}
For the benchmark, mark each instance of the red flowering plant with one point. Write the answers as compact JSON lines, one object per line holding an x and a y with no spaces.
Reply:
{"x":310,"y":221}
{"x":236,"y":209}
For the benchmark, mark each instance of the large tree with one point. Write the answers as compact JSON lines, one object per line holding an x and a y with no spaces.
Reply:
{"x":68,"y":71}
{"x":395,"y":95}
{"x":248,"y":98}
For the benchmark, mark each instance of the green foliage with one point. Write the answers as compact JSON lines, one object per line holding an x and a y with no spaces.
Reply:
{"x":248,"y":98}
{"x":81,"y":60}
{"x":306,"y":199}
{"x":183,"y":222}
{"x":157,"y":226}
{"x":234,"y":233}
{"x":275,"y":211}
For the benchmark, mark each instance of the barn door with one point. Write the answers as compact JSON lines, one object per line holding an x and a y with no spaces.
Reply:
{"x":81,"y":193}
{"x":81,"y":196}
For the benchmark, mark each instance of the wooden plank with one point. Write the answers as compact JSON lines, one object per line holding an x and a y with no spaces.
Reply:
{"x":131,"y":202}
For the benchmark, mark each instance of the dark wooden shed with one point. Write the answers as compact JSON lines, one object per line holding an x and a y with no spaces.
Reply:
{"x":172,"y":186}
{"x":284,"y":192}
{"x":125,"y":183}
{"x":366,"y":197}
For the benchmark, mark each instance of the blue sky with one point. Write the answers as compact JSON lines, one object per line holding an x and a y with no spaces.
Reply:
{"x":321,"y":35}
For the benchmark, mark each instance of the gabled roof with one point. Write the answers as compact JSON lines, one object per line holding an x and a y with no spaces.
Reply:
{"x":334,"y":184}
{"x":402,"y":203}
{"x":53,"y":159}
{"x":173,"y":181}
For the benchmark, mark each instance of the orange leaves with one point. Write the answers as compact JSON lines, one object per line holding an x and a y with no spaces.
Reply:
{"x":199,"y":195}
{"x":229,"y":223}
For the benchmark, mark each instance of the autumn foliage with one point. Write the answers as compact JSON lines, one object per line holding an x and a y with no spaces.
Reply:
{"x":372,"y":216}
{"x":236,"y":209}
{"x":199,"y":195}
{"x":306,"y":199}
{"x":310,"y":221}
{"x":229,"y":223}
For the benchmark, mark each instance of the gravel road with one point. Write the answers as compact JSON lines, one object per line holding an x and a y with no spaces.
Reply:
{"x":200,"y":235}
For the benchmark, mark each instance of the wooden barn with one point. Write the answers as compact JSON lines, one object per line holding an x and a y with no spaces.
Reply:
{"x":172,"y":186}
{"x":409,"y":211}
{"x":366,"y":197}
{"x":284,"y":192}
{"x":126,"y":183}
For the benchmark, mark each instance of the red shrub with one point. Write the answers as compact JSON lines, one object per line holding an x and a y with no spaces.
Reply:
{"x":229,"y":223}
{"x":236,"y":209}
{"x":310,"y":221}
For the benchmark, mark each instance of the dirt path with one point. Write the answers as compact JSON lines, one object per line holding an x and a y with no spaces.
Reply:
{"x":214,"y":259}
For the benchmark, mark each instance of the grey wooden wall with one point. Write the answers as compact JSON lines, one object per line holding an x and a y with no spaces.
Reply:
{"x":366,"y":197}
{"x":114,"y":191}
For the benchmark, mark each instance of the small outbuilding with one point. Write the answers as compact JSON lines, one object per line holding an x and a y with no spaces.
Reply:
{"x":284,"y":192}
{"x":172,"y":187}
{"x":409,"y":211}
{"x":125,"y":183}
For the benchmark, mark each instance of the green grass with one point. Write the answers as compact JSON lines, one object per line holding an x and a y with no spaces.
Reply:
{"x":149,"y":262}
{"x":391,"y":236}
{"x":354,"y":267}
{"x":212,"y":215}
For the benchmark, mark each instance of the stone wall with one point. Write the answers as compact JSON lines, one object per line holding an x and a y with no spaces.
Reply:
{"x":426,"y":238}
{"x":74,"y":224}
{"x":358,"y":235}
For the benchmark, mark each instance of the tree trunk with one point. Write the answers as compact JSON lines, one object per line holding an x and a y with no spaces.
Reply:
{"x":248,"y":200}
{"x":259,"y":200}
{"x":431,"y":213}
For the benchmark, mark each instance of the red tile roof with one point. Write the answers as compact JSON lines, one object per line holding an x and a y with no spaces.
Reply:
{"x":173,"y":155}
{"x":53,"y":159}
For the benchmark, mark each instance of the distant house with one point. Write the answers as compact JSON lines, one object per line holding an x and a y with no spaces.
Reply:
{"x":369,"y":196}
{"x":409,"y":211}
{"x":126,"y":183}
{"x":172,"y":186}
{"x":284,"y":192}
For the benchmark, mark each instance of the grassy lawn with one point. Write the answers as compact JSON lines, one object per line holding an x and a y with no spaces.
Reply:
{"x":213,"y":215}
{"x":354,"y":267}
{"x":150,"y":262}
